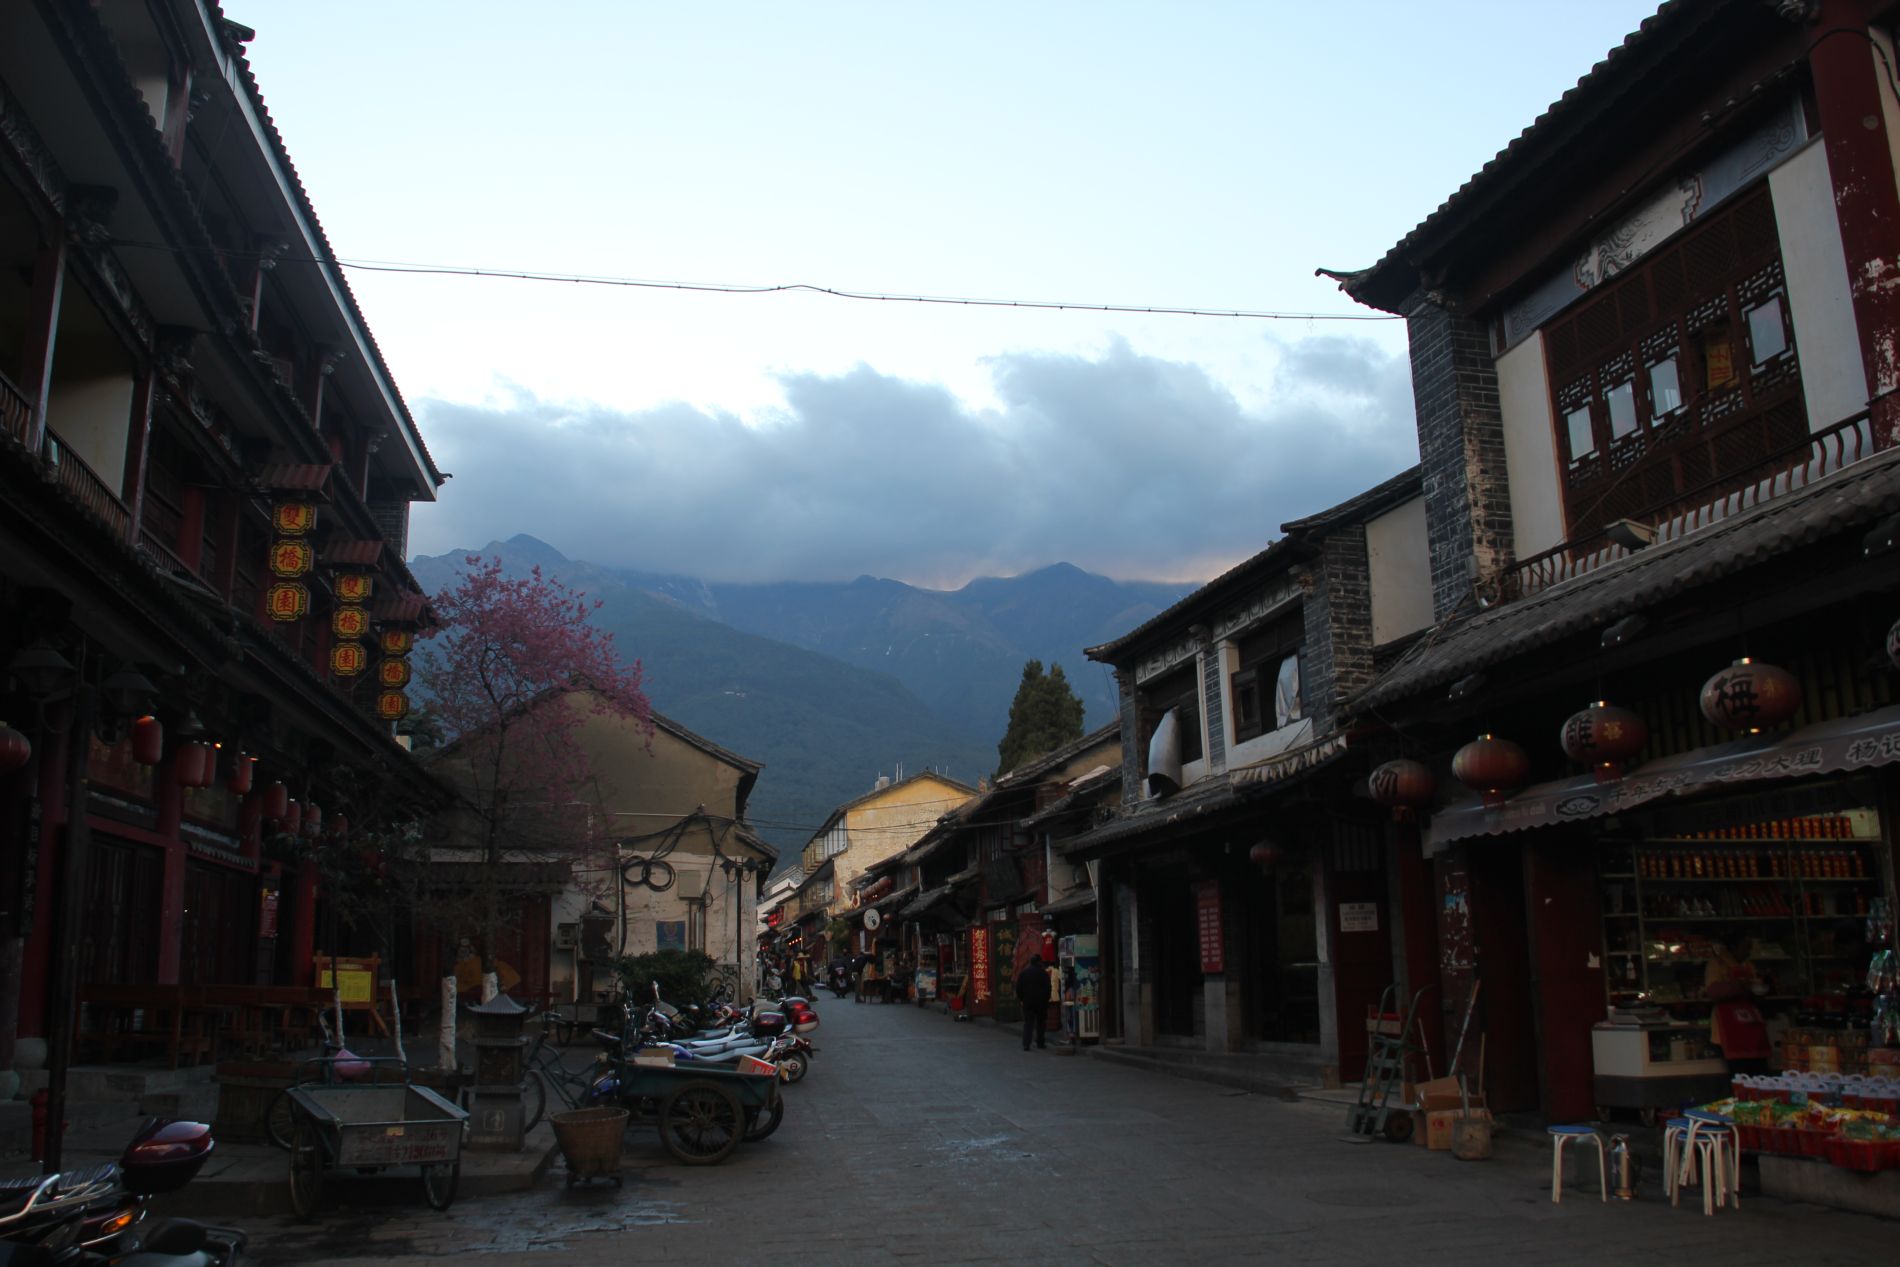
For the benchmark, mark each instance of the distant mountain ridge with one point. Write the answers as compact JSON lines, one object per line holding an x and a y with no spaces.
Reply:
{"x":960,"y":651}
{"x":831,"y":684}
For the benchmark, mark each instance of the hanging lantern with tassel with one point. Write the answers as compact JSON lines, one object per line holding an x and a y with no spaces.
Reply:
{"x":192,"y":764}
{"x":1604,"y":737}
{"x":312,"y":819}
{"x":1750,"y":696}
{"x":15,"y":749}
{"x":276,"y":801}
{"x":243,"y":770}
{"x":148,"y":740}
{"x":1491,"y":767}
{"x":292,"y":821}
{"x":1264,"y":855}
{"x":1403,"y":786}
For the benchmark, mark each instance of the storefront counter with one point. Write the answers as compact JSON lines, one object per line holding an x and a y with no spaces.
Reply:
{"x":1655,"y":1065}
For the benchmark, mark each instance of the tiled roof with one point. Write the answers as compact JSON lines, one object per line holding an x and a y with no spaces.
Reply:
{"x":838,"y":813}
{"x":282,"y":154}
{"x":295,"y":477}
{"x":1039,"y":766}
{"x":1604,"y":77}
{"x":1859,"y":494}
{"x":1273,"y":558}
{"x":1401,"y":487}
{"x":353,"y":553}
{"x":1212,"y":795}
{"x":401,"y":608}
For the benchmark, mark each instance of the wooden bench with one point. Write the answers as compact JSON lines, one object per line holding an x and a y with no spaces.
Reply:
{"x":173,"y":1020}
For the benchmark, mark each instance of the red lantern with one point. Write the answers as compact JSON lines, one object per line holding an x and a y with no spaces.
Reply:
{"x":393,"y":672}
{"x":148,"y":740}
{"x":349,"y":622}
{"x":353,"y":587}
{"x":347,"y":659}
{"x":392,"y":705}
{"x":1264,"y":855}
{"x":276,"y":801}
{"x":398,"y":641}
{"x":340,"y":826}
{"x":1603,"y":737}
{"x":242,"y":769}
{"x":292,"y":558}
{"x":1403,"y":786}
{"x":312,"y":819}
{"x":193,"y":765}
{"x":1492,"y":767}
{"x":294,"y":519}
{"x":292,"y":818}
{"x":1750,"y":696}
{"x":15,"y":749}
{"x":287,"y":600}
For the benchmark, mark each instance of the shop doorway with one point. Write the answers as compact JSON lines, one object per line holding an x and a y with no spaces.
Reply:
{"x":1281,"y":937}
{"x":123,"y":884}
{"x":1361,"y":937}
{"x":1506,"y":1017}
{"x":1168,"y":902}
{"x":218,"y":942}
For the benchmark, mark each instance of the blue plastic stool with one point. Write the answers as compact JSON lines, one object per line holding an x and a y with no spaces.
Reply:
{"x":1562,"y":1135}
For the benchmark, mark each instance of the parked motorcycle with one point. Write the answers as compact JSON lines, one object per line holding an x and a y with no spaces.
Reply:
{"x":95,"y":1215}
{"x":838,"y":980}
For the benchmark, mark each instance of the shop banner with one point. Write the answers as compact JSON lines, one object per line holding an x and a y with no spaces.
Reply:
{"x":1845,"y":745}
{"x":1207,"y":921}
{"x":979,"y":965}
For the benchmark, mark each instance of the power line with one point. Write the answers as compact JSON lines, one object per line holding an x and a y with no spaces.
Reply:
{"x":835,"y":292}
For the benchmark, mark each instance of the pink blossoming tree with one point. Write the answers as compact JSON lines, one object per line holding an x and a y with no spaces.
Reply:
{"x":517,"y":671}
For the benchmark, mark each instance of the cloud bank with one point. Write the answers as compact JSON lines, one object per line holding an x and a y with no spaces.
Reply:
{"x":1124,"y":464}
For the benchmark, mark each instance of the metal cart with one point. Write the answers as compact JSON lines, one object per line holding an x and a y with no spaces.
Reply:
{"x":369,"y":1127}
{"x":700,"y":1111}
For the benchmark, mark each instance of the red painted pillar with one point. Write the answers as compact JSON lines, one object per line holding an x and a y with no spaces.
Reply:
{"x":1415,"y":899}
{"x":36,"y":971}
{"x":1847,"y":92}
{"x":171,"y":896}
{"x":303,"y":926}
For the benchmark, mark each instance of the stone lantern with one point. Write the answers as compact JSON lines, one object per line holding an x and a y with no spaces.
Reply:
{"x":500,"y":1054}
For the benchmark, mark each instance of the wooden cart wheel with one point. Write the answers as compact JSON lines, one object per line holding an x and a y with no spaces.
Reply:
{"x":439,"y":1183}
{"x":306,"y":1170}
{"x":1398,"y":1127}
{"x":700,"y":1122}
{"x":760,"y":1123}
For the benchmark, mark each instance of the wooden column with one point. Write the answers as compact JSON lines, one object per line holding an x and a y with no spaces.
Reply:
{"x":137,"y":447}
{"x":191,"y":528}
{"x":1847,"y":92}
{"x":171,"y":899}
{"x":42,"y":328}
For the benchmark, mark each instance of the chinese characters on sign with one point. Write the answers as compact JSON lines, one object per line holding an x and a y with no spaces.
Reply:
{"x":1207,"y":921}
{"x":1358,"y":917}
{"x":980,"y":965}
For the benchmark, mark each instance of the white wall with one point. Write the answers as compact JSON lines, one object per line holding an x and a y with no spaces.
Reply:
{"x":1826,"y":336}
{"x":1399,"y":559}
{"x":91,"y":413}
{"x":1530,"y":449}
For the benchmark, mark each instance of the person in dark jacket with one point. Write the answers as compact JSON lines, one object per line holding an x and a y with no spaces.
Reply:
{"x":1032,"y":988}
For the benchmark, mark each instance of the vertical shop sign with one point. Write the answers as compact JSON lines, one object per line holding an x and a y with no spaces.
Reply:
{"x":980,"y":965}
{"x":1207,"y":921}
{"x":1003,"y":963}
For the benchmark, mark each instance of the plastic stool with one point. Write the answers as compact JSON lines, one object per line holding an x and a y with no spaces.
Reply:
{"x":1699,"y":1147}
{"x":1562,"y":1135}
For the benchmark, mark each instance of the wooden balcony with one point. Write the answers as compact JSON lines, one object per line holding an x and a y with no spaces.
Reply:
{"x":73,"y":475}
{"x":1794,"y":467}
{"x":16,"y":412}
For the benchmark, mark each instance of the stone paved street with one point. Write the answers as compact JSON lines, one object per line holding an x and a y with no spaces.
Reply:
{"x":916,"y":1140}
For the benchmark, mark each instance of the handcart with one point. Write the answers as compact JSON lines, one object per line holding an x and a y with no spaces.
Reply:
{"x":369,"y":1127}
{"x":701,"y":1111}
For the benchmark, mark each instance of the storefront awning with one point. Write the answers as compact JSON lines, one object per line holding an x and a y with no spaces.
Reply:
{"x":1843,"y":746}
{"x":1277,"y":769}
{"x":1074,"y":902}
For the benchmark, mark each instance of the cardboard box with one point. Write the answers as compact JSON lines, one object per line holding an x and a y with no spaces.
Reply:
{"x":1432,"y":1129}
{"x":1443,"y":1093}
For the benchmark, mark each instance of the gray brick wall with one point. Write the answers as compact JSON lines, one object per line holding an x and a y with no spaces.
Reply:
{"x":1461,"y":451}
{"x":1214,"y":709}
{"x":1336,"y":658}
{"x":1134,"y":753}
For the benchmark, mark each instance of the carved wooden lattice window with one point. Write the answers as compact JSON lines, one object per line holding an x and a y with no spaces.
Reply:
{"x":1680,"y":376}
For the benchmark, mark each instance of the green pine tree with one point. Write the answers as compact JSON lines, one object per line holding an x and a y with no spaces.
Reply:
{"x":1045,"y":714}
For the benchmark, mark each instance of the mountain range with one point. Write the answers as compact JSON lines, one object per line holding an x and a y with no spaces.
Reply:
{"x":829,"y":685}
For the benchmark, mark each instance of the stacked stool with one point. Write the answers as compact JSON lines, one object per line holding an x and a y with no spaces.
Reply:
{"x":1563,"y":1135}
{"x":1705,"y":1148}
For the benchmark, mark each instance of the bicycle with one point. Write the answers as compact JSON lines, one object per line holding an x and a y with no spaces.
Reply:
{"x":544,"y":1068}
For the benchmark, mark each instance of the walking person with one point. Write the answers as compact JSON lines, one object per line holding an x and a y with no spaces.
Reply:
{"x":1032,"y":989}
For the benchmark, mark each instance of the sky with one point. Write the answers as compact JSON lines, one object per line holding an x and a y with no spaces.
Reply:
{"x":1182,"y":154}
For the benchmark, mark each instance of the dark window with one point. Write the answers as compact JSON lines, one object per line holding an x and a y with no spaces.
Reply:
{"x":1266,"y":683}
{"x":1178,"y":691}
{"x":1680,"y":377}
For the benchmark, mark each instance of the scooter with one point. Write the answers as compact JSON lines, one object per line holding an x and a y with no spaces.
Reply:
{"x":838,"y":980}
{"x":95,"y":1215}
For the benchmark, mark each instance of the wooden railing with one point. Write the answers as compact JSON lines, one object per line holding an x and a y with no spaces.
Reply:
{"x":1795,"y":467}
{"x":84,"y":483}
{"x":161,"y":554}
{"x":16,"y":412}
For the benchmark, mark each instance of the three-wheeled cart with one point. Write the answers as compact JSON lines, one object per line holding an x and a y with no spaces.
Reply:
{"x":368,"y":1127}
{"x":701,"y":1111}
